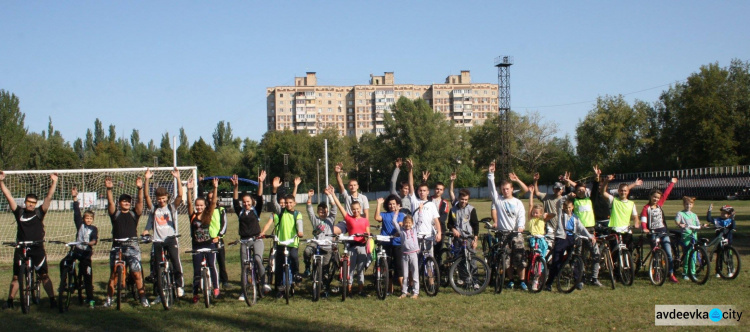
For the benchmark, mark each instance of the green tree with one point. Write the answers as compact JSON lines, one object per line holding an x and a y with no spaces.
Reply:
{"x":99,"y":136}
{"x":165,"y":151}
{"x":183,"y":150}
{"x":204,"y":157}
{"x":12,"y":132}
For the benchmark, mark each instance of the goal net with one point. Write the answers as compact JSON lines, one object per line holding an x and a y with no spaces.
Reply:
{"x":92,"y":194}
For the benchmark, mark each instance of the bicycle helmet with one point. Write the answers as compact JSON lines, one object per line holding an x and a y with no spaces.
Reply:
{"x":727,"y":208}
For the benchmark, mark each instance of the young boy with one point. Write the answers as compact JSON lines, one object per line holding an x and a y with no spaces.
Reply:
{"x":443,"y":207}
{"x":403,"y":192}
{"x":124,"y":225}
{"x":623,"y":213}
{"x":352,"y":195}
{"x":356,"y":223}
{"x":463,"y":223}
{"x":424,"y":212}
{"x":30,"y":227}
{"x":248,"y":212}
{"x":163,"y":221}
{"x":410,"y":260}
{"x":511,"y":216}
{"x":584,"y":210}
{"x":322,"y":226}
{"x":688,"y":221}
{"x":654,"y":222}
{"x":88,"y":234}
{"x":288,"y":224}
{"x":725,"y":225}
{"x":568,"y":226}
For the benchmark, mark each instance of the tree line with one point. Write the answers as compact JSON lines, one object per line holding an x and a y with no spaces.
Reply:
{"x":699,"y":122}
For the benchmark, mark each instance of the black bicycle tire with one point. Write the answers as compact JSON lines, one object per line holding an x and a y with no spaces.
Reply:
{"x":658,"y":267}
{"x":25,"y":297}
{"x":35,"y":289}
{"x":566,"y":273}
{"x":627,"y":274}
{"x":206,"y":285}
{"x":317,"y":278}
{"x":446,"y":258}
{"x":469,"y":290}
{"x":251,"y":289}
{"x":71,"y":289}
{"x":703,"y":271}
{"x":381,"y":277}
{"x":637,"y":257}
{"x":287,"y":282}
{"x":345,"y":279}
{"x":499,"y":271}
{"x":80,"y":284}
{"x":160,"y":286}
{"x":539,"y":264}
{"x":63,"y":289}
{"x":731,"y":252}
{"x":609,"y":264}
{"x":118,"y":285}
{"x":431,"y":271}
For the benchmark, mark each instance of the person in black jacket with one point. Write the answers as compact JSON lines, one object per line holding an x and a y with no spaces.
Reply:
{"x":248,"y":210}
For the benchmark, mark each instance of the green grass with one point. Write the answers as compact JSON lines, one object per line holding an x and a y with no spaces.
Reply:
{"x":624,"y":308}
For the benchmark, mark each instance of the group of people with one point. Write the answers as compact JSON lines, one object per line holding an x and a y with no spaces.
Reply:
{"x":409,"y":215}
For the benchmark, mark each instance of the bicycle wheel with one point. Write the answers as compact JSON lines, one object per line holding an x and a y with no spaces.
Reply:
{"x":344,"y":279}
{"x":71,"y":285}
{"x":637,"y":258}
{"x":79,"y":285}
{"x":446,"y":258}
{"x":431,"y":276}
{"x":287,"y":282}
{"x":700,"y":261}
{"x":609,"y":265}
{"x":499,"y":272}
{"x":538,"y":274}
{"x":206,"y":285}
{"x":118,"y":276}
{"x":317,"y":279}
{"x":23,"y":285}
{"x":657,"y":267}
{"x":626,"y":267}
{"x":248,"y":284}
{"x":163,"y":287}
{"x":566,"y":280}
{"x":677,"y":254}
{"x":729,"y":264}
{"x":62,"y":295}
{"x":486,"y":247}
{"x":35,"y":291}
{"x":381,"y":277}
{"x":469,"y":280}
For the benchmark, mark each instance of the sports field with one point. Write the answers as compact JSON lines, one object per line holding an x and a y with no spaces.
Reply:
{"x":625,"y":308}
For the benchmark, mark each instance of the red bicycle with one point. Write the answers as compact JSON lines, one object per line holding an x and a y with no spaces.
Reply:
{"x":537,"y":271}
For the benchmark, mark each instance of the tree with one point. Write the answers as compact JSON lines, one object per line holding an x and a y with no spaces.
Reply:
{"x":204,"y":157}
{"x":533,"y":138}
{"x":12,"y":132}
{"x":98,"y":132}
{"x":183,"y":150}
{"x":223,"y":135}
{"x":165,"y":151}
{"x":112,"y":133}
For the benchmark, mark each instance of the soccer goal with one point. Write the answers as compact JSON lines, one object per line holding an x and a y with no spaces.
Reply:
{"x":92,"y":194}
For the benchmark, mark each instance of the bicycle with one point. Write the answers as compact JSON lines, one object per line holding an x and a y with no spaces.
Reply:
{"x":572,"y":269}
{"x":501,"y":252}
{"x":318,"y":281}
{"x":657,"y":259}
{"x":343,"y":261}
{"x":27,"y":281}
{"x":537,"y":272}
{"x":698,"y":261}
{"x":70,"y":280}
{"x":624,"y":260}
{"x":206,"y":282}
{"x":250,"y":272}
{"x":287,"y":268}
{"x":165,"y":285}
{"x":467,"y":275}
{"x":380,"y":270}
{"x":494,"y":254}
{"x":428,"y":267}
{"x":606,"y":256}
{"x":120,"y":275}
{"x":727,"y":258}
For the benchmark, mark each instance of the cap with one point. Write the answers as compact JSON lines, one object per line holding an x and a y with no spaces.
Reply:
{"x":558,"y":185}
{"x":125,"y":197}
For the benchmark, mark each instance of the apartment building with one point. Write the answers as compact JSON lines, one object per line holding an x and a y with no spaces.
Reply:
{"x":359,"y":109}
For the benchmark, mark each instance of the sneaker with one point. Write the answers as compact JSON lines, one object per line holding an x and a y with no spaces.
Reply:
{"x":673,"y":279}
{"x":241,"y":298}
{"x":157,"y":300}
{"x":52,"y":304}
{"x":403,"y":296}
{"x":8,"y":304}
{"x":280,"y":295}
{"x":324,"y":295}
{"x":415,"y":296}
{"x":195,"y":299}
{"x":685,"y":278}
{"x":297,"y":278}
{"x":92,"y":304}
{"x":107,"y":303}
{"x":579,"y":286}
{"x":730,"y":275}
{"x":266,"y":289}
{"x":595,"y":282}
{"x":548,"y":288}
{"x":523,"y":286}
{"x":144,"y":302}
{"x":510,"y":285}
{"x":718,"y":276}
{"x":306,"y":273}
{"x":180,"y":291}
{"x":216,"y":293}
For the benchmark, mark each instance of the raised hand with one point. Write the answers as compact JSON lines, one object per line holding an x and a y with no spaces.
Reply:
{"x":148,"y":175}
{"x":453,"y":176}
{"x":329,"y":190}
{"x":338,"y":168}
{"x":108,"y":183}
{"x":531,"y":191}
{"x":216,"y":182}
{"x":175,"y":173}
{"x":235,"y":180}
{"x":638,"y":182}
{"x":53,"y":177}
{"x":74,"y":192}
{"x":2,"y":176}
{"x":610,"y":177}
{"x":425,"y":176}
{"x":380,"y":200}
{"x":262,"y":177}
{"x":512,"y":176}
{"x":597,"y":171}
{"x":139,"y":183}
{"x":536,"y":177}
{"x":409,"y":163}
{"x":190,"y":184}
{"x":710,"y":206}
{"x":491,"y":168}
{"x":399,"y":162}
{"x":674,"y":180}
{"x":566,"y":176}
{"x":297,"y":181}
{"x":276,"y":182}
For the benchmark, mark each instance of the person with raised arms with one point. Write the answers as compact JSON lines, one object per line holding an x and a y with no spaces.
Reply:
{"x":391,"y":204}
{"x":426,"y":216}
{"x":403,"y":190}
{"x":357,"y":225}
{"x":352,"y":195}
{"x":248,"y":209}
{"x":200,"y":233}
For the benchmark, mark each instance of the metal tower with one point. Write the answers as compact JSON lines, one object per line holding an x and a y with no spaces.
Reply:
{"x":503,"y":63}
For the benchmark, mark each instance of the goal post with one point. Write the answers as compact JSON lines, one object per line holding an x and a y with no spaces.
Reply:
{"x":92,"y":195}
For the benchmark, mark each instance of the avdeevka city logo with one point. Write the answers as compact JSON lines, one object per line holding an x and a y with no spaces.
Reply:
{"x":715,"y":314}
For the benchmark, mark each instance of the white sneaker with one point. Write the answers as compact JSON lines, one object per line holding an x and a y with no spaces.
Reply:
{"x":730,"y":275}
{"x":242,"y":297}
{"x":157,"y":300}
{"x":144,"y":302}
{"x":718,"y":275}
{"x":107,"y":303}
{"x":266,"y":289}
{"x":180,"y":291}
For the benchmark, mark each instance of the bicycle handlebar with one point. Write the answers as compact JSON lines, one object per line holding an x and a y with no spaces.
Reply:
{"x":22,"y":243}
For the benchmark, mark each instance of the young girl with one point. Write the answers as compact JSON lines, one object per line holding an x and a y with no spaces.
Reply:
{"x":355,"y":224}
{"x":537,"y":224}
{"x":653,"y":221}
{"x":410,"y":248}
{"x":688,"y":221}
{"x":200,"y":221}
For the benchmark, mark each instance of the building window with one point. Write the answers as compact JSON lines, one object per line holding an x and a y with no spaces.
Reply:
{"x":350,"y":103}
{"x":281,"y":95}
{"x":329,"y":109}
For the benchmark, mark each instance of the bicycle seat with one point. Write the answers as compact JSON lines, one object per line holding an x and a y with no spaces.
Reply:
{"x":383,"y":238}
{"x":202,"y":250}
{"x":287,"y":242}
{"x":346,"y":238}
{"x":325,"y":242}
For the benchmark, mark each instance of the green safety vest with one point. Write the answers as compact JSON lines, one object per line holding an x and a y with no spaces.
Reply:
{"x":584,"y":209}
{"x":286,"y":226}
{"x":621,"y":213}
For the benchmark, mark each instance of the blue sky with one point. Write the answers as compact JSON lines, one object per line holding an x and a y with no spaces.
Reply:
{"x":161,"y":65}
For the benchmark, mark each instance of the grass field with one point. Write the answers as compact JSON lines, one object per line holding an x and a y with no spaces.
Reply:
{"x":625,"y":308}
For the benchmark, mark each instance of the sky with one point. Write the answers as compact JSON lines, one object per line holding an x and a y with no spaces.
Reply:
{"x":157,"y":66}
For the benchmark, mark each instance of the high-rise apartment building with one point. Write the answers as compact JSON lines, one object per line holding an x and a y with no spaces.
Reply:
{"x":355,"y":110}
